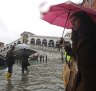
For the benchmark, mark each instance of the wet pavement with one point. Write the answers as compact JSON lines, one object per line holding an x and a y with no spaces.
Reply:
{"x":41,"y":77}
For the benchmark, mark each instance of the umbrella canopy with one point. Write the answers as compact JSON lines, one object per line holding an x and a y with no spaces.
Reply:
{"x":22,"y":46}
{"x":19,"y":49}
{"x":60,"y":14}
{"x":19,"y":52}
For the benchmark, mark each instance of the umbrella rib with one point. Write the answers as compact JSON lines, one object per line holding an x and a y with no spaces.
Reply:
{"x":66,"y":22}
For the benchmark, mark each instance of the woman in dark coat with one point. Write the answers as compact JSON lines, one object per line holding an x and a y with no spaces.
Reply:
{"x":84,"y":48}
{"x":25,"y":62}
{"x":10,"y":58}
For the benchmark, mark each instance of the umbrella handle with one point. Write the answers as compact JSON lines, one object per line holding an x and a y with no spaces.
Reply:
{"x":65,"y":23}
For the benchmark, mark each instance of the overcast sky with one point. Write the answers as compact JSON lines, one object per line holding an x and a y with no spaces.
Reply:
{"x":17,"y":16}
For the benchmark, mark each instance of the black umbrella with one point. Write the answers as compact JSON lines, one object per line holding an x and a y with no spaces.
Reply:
{"x":20,"y":51}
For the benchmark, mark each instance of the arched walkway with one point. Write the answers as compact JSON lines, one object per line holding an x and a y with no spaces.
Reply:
{"x":51,"y":43}
{"x":32,"y":41}
{"x":38,"y":42}
{"x":57,"y":44}
{"x":44,"y":42}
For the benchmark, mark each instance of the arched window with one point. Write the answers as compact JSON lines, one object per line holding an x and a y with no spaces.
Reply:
{"x":57,"y":44}
{"x":51,"y":43}
{"x":25,"y":38}
{"x":38,"y":42}
{"x":44,"y":42}
{"x":32,"y":41}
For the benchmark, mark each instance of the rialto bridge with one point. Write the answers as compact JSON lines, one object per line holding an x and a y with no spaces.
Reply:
{"x":37,"y":41}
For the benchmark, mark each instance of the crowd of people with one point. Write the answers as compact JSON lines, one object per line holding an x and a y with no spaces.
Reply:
{"x":24,"y":60}
{"x":10,"y":60}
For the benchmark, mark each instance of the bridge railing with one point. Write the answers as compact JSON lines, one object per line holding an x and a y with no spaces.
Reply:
{"x":44,"y":48}
{"x":39,"y":47}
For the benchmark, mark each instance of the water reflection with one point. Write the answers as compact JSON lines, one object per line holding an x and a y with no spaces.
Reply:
{"x":24,"y":78}
{"x":9,"y":86}
{"x":41,"y":77}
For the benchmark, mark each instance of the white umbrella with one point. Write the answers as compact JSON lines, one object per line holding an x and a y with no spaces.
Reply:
{"x":22,"y":46}
{"x":19,"y":49}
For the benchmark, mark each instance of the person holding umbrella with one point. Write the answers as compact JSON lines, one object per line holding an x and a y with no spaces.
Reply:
{"x":70,"y":67}
{"x":24,"y":61}
{"x":84,"y":49}
{"x":10,"y":58}
{"x":83,"y":23}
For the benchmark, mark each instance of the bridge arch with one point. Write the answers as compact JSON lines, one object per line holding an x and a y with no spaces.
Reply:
{"x":44,"y":42}
{"x":51,"y":43}
{"x":57,"y":44}
{"x":38,"y":42}
{"x":32,"y":41}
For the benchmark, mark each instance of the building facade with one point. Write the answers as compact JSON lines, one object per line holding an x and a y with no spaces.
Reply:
{"x":32,"y":39}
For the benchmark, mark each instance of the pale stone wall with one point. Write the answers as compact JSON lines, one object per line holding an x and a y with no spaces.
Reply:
{"x":27,"y":36}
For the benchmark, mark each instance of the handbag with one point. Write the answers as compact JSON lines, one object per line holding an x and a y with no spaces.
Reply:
{"x":66,"y":75}
{"x":69,"y":74}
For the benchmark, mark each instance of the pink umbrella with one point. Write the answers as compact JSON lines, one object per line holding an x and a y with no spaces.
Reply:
{"x":60,"y":14}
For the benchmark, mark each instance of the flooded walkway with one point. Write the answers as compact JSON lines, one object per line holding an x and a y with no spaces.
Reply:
{"x":42,"y":77}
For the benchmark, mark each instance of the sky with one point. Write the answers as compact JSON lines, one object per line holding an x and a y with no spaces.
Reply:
{"x":17,"y":16}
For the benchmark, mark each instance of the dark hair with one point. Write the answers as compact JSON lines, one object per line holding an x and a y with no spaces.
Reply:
{"x":88,"y":26}
{"x":85,"y":19}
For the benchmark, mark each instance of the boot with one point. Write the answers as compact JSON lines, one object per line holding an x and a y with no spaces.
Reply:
{"x":8,"y":75}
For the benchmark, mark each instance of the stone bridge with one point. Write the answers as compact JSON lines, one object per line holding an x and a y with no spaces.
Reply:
{"x":38,"y":49}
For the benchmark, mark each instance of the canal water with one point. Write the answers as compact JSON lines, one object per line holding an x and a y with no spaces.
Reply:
{"x":41,"y":77}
